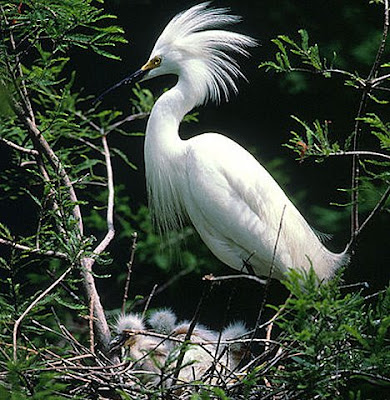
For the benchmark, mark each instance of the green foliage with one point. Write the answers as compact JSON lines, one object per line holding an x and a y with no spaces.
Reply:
{"x":309,"y":55}
{"x":314,"y":143}
{"x":332,"y":338}
{"x":313,"y":139}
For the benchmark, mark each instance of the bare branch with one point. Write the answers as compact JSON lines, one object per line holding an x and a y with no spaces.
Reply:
{"x":361,"y":153}
{"x":129,"y":270}
{"x":110,"y":203}
{"x":32,"y":305}
{"x":211,"y":277}
{"x":91,"y":332}
{"x":381,"y":48}
{"x":129,"y":118}
{"x":375,"y":211}
{"x":17,"y":147}
{"x":149,"y":300}
{"x":39,"y":252}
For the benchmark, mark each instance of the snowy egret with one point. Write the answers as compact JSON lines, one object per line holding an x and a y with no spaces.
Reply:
{"x":238,"y":209}
{"x":153,"y":354}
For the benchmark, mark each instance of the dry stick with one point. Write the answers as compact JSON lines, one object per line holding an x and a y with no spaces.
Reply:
{"x":129,"y":266}
{"x":32,"y":305}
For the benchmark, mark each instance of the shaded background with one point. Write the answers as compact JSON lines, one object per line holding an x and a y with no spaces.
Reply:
{"x":259,"y":119}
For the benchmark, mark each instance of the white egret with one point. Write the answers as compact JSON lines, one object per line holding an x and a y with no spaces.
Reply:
{"x":154,"y":354}
{"x":232,"y":201}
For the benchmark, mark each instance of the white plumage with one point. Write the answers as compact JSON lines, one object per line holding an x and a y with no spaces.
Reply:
{"x":155,"y":356}
{"x":232,"y":201}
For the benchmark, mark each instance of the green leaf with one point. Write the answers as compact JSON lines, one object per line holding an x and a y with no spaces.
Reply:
{"x":124,"y":157}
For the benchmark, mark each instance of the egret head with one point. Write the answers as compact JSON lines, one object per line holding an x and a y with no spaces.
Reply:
{"x":194,"y":47}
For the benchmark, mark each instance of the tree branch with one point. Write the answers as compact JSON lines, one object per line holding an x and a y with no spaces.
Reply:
{"x":17,"y":147}
{"x":39,"y":252}
{"x":32,"y":305}
{"x":361,"y":153}
{"x":110,"y":203}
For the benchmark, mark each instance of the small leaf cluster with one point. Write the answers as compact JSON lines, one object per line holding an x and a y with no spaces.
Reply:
{"x":308,"y":54}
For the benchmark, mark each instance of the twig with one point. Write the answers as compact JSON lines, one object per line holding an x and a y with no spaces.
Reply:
{"x":362,"y":106}
{"x":17,"y":147}
{"x":211,"y":277}
{"x":381,"y":48}
{"x":149,"y":300}
{"x":360,"y":153}
{"x":110,"y":203}
{"x":91,"y":332}
{"x":129,"y":118}
{"x":376,"y":210}
{"x":39,"y":252}
{"x":189,"y":333}
{"x":271,"y":269}
{"x":32,"y":305}
{"x":129,"y":266}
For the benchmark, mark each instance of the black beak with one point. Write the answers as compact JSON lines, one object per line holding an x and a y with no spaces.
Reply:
{"x":133,"y":78}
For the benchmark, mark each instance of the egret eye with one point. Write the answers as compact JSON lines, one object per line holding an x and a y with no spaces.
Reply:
{"x":156,"y":61}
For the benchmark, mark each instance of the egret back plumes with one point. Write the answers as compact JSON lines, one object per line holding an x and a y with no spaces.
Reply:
{"x":238,"y":209}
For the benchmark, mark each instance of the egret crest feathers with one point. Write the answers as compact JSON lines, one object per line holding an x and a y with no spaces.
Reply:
{"x":204,"y":50}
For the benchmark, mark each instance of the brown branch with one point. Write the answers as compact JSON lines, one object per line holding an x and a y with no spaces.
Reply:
{"x":32,"y":305}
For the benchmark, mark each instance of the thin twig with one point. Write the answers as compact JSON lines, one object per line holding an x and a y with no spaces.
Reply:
{"x":149,"y":300}
{"x":91,"y":332}
{"x":381,"y":48}
{"x":375,"y":211}
{"x":361,"y":153}
{"x":211,"y":277}
{"x":129,"y":266}
{"x":191,"y":328}
{"x":110,"y":203}
{"x":271,"y":269}
{"x":32,"y":305}
{"x":39,"y":252}
{"x":129,"y":118}
{"x":17,"y":147}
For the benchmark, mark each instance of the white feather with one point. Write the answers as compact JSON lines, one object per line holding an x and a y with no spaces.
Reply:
{"x":233,"y":202}
{"x":129,"y":322}
{"x":162,"y":321}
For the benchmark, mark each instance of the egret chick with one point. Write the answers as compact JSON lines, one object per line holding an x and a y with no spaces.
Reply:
{"x":147,"y":353}
{"x":238,"y":209}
